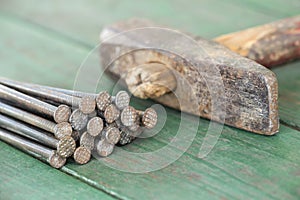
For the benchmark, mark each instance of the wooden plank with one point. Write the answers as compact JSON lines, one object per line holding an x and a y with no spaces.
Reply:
{"x":289,"y":93}
{"x":201,"y":18}
{"x":276,"y":8}
{"x":242,"y":165}
{"x":23,"y":177}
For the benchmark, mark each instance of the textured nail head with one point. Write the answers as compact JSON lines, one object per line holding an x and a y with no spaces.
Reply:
{"x":82,"y":155}
{"x":149,"y":118}
{"x":56,"y":160}
{"x":111,"y":113}
{"x":78,"y":120}
{"x":129,"y":116}
{"x":95,"y":126}
{"x":112,"y":135}
{"x":87,"y":104}
{"x":104,"y":148}
{"x":62,"y":114}
{"x":122,"y":100}
{"x":125,"y":138}
{"x":87,"y":141}
{"x":63,"y":129}
{"x":103,"y":100}
{"x":66,"y":147}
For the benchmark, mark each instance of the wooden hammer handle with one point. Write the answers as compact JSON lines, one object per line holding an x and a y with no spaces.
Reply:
{"x":270,"y":44}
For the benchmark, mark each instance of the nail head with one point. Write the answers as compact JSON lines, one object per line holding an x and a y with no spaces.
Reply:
{"x":82,"y":155}
{"x":62,"y":114}
{"x":95,"y":126}
{"x":66,"y":147}
{"x":87,"y":104}
{"x":63,"y":129}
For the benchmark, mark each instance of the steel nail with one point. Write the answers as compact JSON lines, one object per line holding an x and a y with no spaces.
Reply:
{"x":82,"y":155}
{"x":129,"y":116}
{"x":125,"y":138}
{"x":104,"y":148}
{"x":103,"y":100}
{"x":111,"y":135}
{"x":60,"y":113}
{"x":78,"y":120}
{"x":88,"y":141}
{"x":59,"y":130}
{"x":33,"y":149}
{"x":65,"y":147}
{"x":111,"y":113}
{"x":86,"y":104}
{"x":121,"y":100}
{"x":80,"y":94}
{"x":95,"y":126}
{"x":148,"y":118}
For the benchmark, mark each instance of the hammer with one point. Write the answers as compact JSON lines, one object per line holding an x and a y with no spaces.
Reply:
{"x":248,"y":92}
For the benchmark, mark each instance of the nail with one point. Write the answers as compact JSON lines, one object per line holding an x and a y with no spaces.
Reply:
{"x":125,"y":138}
{"x":87,"y":141}
{"x":78,"y":120}
{"x":95,"y":126}
{"x":121,"y":100}
{"x":60,"y":113}
{"x":79,"y":94}
{"x":103,"y":100}
{"x":65,"y":147}
{"x":86,"y":104}
{"x":104,"y":148}
{"x":82,"y":155}
{"x":111,"y":113}
{"x":33,"y":149}
{"x":148,"y":118}
{"x":129,"y":116}
{"x":59,"y":130}
{"x":111,"y":135}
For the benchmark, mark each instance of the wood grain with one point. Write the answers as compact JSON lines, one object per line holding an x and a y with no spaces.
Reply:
{"x":248,"y":91}
{"x":270,"y":44}
{"x":24,"y":177}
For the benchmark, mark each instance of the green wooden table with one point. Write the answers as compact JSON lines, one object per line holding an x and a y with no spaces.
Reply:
{"x":46,"y":41}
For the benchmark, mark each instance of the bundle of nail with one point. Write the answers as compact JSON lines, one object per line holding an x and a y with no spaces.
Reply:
{"x":54,"y":124}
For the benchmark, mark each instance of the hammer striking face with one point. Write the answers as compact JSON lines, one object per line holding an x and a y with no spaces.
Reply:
{"x":191,"y":80}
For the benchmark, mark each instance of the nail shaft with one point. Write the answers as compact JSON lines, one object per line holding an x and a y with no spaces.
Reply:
{"x":59,"y":130}
{"x":60,"y":114}
{"x":42,"y":92}
{"x":65,"y":147}
{"x":26,"y":131}
{"x":32,"y":148}
{"x":86,"y":104}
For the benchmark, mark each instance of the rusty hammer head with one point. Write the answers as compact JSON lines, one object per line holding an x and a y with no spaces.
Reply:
{"x":185,"y":81}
